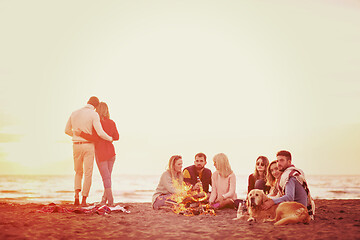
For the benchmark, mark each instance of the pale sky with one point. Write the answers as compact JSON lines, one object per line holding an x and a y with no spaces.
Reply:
{"x":246,"y":78}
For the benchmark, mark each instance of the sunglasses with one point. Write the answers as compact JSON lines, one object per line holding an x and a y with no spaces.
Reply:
{"x":260,"y":164}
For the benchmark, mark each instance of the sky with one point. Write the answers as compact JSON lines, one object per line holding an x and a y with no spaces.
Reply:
{"x":246,"y":78}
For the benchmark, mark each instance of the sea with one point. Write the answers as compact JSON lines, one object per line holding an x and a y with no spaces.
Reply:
{"x":140,"y":188}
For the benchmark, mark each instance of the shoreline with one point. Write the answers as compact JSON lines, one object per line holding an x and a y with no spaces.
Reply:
{"x":335,"y":219}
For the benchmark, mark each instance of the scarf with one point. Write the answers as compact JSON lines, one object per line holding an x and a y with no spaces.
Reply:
{"x":299,"y":175}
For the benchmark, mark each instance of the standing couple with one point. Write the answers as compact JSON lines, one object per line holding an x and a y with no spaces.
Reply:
{"x":92,"y":134}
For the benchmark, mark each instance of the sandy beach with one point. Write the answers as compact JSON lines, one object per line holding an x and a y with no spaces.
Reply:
{"x":335,"y":219}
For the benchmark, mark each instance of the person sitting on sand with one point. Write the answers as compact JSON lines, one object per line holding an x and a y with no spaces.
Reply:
{"x":166,"y":188}
{"x":104,"y":151}
{"x":273,"y":175}
{"x":257,"y":180}
{"x":223,"y":183}
{"x":292,"y":184}
{"x":192,"y":172}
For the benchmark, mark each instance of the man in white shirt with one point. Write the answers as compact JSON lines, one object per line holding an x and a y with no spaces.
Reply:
{"x":84,"y":119}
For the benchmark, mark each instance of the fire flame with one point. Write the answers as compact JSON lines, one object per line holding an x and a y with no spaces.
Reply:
{"x":190,"y":202}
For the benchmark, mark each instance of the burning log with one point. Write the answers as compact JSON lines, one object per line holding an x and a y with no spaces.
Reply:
{"x":194,"y":205}
{"x":189,"y":202}
{"x":200,"y":195}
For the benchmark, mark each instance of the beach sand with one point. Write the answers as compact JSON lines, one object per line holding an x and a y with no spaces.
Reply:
{"x":335,"y":219}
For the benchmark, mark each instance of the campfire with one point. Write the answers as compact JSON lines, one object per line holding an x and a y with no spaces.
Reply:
{"x":190,"y":202}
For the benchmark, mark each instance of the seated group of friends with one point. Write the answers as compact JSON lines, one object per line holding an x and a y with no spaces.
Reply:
{"x":280,"y":180}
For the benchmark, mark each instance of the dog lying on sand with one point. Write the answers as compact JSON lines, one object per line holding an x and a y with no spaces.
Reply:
{"x":281,"y":214}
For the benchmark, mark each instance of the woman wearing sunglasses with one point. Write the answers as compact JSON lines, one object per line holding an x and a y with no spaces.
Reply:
{"x":257,"y":179}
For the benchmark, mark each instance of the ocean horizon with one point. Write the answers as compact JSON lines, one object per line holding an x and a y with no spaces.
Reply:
{"x":140,"y":188}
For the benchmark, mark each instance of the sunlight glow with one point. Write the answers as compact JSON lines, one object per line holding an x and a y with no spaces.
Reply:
{"x":245,"y":78}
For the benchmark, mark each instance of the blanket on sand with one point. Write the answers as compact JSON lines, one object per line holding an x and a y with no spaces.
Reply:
{"x":98,"y":209}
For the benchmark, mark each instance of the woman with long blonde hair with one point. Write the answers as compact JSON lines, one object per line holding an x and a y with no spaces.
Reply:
{"x":223,"y":183}
{"x":273,"y":175}
{"x":166,"y":187}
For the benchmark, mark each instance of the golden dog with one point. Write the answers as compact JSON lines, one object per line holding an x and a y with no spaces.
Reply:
{"x":284,"y":213}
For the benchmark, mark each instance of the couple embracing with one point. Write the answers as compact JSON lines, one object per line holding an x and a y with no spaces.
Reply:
{"x":92,"y":134}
